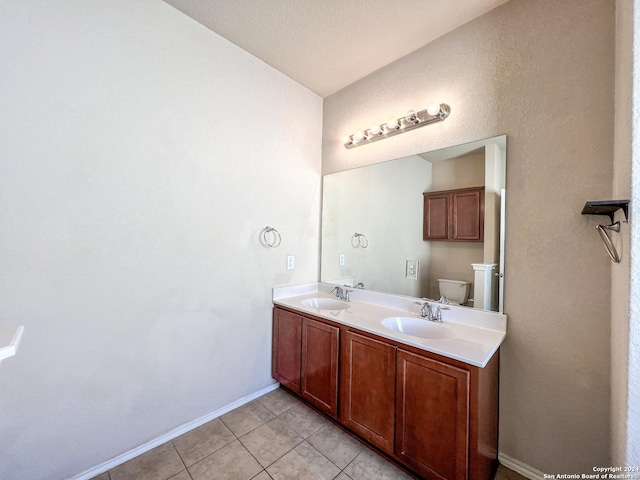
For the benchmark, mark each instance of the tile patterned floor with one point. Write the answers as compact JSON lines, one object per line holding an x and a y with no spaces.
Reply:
{"x":275,"y":437}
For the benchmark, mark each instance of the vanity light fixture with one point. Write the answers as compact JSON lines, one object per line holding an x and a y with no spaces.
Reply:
{"x":395,"y":125}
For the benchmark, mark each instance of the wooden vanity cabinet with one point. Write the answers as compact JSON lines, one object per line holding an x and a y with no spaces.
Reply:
{"x":287,"y":349}
{"x":432,"y":416}
{"x":305,"y":358}
{"x":435,"y":415}
{"x":367,"y":389}
{"x":319,"y":385}
{"x":454,"y":215}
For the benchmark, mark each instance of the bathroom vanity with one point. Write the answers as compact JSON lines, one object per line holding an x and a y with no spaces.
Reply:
{"x":425,"y":394}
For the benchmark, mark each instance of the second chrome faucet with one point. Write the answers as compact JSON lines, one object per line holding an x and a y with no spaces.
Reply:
{"x":342,"y":293}
{"x":427,"y":312}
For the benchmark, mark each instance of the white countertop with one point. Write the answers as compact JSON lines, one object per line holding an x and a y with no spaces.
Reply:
{"x":9,"y":340}
{"x":478,"y":333}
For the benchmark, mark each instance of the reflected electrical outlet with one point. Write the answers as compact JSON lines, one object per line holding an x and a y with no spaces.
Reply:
{"x":412,"y":267}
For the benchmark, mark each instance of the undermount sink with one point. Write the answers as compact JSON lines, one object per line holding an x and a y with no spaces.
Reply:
{"x":325,"y":303}
{"x":417,"y":327}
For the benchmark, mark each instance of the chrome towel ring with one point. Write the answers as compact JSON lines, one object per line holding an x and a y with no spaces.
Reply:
{"x":359,"y":240}
{"x":606,"y":239}
{"x":271,"y":237}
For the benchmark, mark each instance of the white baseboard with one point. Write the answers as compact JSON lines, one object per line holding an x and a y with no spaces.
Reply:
{"x":519,"y":467}
{"x":176,"y":432}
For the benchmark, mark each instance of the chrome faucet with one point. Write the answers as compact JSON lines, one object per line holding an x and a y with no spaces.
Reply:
{"x":426,"y":311}
{"x":339,"y":293}
{"x":342,"y":293}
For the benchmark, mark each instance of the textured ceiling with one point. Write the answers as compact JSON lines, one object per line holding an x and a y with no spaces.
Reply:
{"x":327,"y":44}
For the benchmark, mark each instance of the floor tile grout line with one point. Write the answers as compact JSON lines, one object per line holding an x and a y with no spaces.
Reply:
{"x":185,"y":470}
{"x":227,"y":427}
{"x":353,"y":460}
{"x":265,"y":468}
{"x":328,"y":459}
{"x":206,"y":456}
{"x":263,"y":423}
{"x":274,"y":413}
{"x":210,"y":454}
{"x":179,"y":456}
{"x":254,"y":457}
{"x":305,"y":440}
{"x":328,"y":425}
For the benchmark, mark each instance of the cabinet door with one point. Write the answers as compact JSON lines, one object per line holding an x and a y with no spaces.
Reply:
{"x":287,"y":337}
{"x":467,"y":211}
{"x":436,"y":216}
{"x":432,"y":417}
{"x":320,"y":365}
{"x":367,"y":390}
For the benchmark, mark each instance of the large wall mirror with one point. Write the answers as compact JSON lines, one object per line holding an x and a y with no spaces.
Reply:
{"x":372,"y":225}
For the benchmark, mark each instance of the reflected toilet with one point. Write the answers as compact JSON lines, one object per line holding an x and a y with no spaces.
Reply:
{"x":456,"y":291}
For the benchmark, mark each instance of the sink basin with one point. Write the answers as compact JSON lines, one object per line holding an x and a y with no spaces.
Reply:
{"x":325,"y":303}
{"x":418,"y":327}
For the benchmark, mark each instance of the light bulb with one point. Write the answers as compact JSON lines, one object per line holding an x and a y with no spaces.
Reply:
{"x":375,"y":130}
{"x":411,"y":117}
{"x":346,"y":139}
{"x":392,"y":123}
{"x":433,"y":110}
{"x":359,"y":136}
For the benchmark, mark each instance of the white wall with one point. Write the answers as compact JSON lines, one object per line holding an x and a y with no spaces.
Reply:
{"x":141,"y":157}
{"x":542,"y":72}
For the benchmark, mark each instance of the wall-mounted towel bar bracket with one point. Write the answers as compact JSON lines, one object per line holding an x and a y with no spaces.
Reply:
{"x":607,"y":207}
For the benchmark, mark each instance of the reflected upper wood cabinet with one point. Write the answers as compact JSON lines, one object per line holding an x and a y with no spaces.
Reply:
{"x":454,"y":215}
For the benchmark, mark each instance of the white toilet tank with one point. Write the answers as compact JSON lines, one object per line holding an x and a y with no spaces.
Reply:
{"x":457,"y":291}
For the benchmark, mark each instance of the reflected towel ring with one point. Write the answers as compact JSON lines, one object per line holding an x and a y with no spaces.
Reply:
{"x":606,"y":240}
{"x":271,"y":237}
{"x":359,"y":240}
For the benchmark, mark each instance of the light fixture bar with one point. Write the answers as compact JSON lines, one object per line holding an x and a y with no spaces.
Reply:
{"x":394,"y":126}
